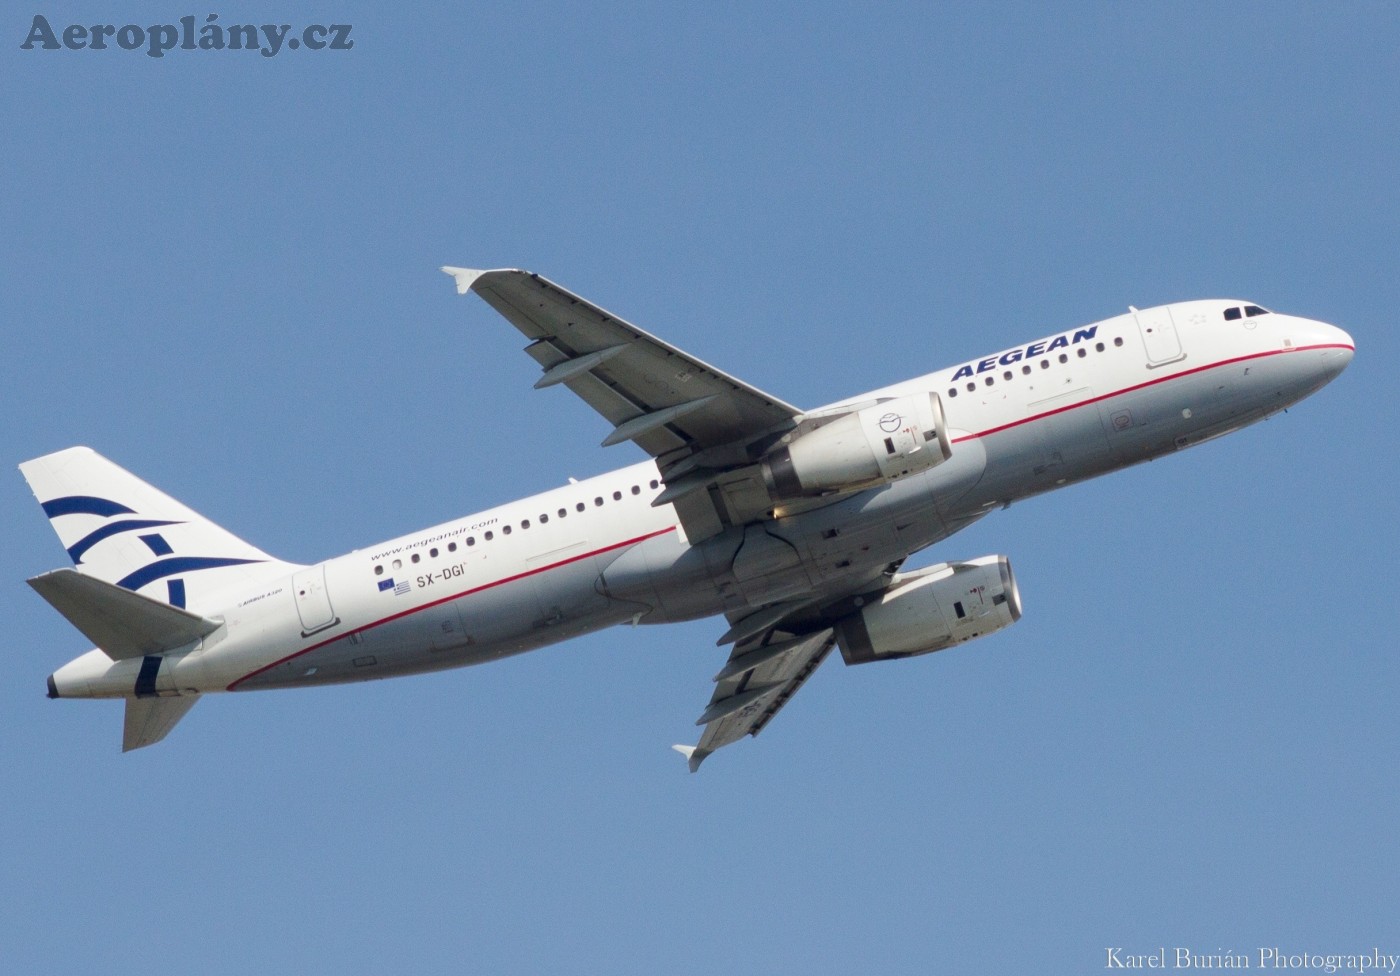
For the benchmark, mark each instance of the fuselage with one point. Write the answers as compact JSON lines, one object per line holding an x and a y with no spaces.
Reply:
{"x":596,"y":553}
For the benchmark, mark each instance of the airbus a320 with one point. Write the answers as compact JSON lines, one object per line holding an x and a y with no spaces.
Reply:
{"x":793,"y":524}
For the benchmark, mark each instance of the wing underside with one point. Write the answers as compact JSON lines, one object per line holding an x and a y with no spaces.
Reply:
{"x":704,"y":427}
{"x":762,"y":674}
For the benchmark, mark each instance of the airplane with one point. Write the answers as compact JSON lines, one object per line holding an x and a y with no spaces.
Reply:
{"x":794,"y":524}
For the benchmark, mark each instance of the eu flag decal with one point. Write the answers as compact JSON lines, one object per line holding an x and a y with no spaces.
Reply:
{"x":386,"y":584}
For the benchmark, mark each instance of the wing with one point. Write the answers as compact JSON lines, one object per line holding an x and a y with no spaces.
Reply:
{"x":762,"y":674}
{"x":776,"y":649}
{"x":704,"y":427}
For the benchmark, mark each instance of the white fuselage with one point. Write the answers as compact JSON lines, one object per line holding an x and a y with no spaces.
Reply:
{"x":596,"y":553}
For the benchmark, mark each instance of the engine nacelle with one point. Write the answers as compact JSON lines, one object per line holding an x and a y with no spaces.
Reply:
{"x":866,"y":447}
{"x":938,"y":607}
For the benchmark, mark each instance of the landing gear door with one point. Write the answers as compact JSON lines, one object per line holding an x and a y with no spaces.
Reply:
{"x":1159,"y":336}
{"x":313,"y":601}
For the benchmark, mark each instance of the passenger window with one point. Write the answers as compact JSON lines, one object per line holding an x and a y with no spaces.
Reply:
{"x":415,"y":557}
{"x":617,"y":496}
{"x":971,"y":387}
{"x":379,"y":571}
{"x":952,"y":391}
{"x":1117,"y":340}
{"x":505,"y":530}
{"x":433,"y":552}
{"x":1064,"y":358}
{"x":1045,"y":364}
{"x":1083,"y":352}
{"x":636,"y":490}
{"x":471,"y":541}
{"x":398,"y":564}
{"x":990,"y":380}
{"x":489,"y":535}
{"x":1007,"y":375}
{"x":579,"y":507}
{"x":655,"y":483}
{"x":1098,"y":347}
{"x":1026,"y":370}
{"x":543,"y":519}
{"x":563,"y":512}
{"x":452,"y":547}
{"x":597,"y":502}
{"x":1231,"y":314}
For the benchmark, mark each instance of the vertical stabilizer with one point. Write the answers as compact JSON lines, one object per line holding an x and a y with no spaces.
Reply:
{"x":121,"y":530}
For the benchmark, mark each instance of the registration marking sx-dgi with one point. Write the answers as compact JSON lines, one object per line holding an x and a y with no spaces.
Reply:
{"x":794,"y":524}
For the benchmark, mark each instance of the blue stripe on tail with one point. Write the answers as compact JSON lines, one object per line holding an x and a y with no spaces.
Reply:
{"x":84,"y":505}
{"x":157,"y":544}
{"x":77,"y":549}
{"x":163,"y":568}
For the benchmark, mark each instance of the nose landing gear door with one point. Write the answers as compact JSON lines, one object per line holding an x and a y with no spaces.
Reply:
{"x":1159,"y":335}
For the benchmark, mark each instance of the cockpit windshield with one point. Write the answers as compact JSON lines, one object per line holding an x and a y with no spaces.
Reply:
{"x":1248,"y":311}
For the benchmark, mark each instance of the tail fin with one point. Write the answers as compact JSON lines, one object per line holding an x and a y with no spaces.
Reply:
{"x":121,"y":530}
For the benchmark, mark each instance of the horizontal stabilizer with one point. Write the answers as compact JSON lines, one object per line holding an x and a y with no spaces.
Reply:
{"x":148,"y":720}
{"x":122,"y":623}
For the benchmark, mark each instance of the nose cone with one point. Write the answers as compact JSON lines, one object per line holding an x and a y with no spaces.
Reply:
{"x":1337,"y":348}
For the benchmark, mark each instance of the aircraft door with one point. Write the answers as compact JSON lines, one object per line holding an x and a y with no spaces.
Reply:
{"x":1159,"y":335}
{"x":313,"y":600}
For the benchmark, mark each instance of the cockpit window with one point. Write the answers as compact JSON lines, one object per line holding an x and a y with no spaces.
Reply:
{"x":1231,"y":314}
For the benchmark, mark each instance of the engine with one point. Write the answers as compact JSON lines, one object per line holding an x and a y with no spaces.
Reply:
{"x":922,"y":612}
{"x":871,"y":446}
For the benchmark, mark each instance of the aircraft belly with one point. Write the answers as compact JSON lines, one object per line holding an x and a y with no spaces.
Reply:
{"x":667,"y":580}
{"x":1158,"y":420}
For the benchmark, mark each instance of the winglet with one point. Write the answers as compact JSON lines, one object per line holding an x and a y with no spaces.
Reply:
{"x":463,"y":276}
{"x":693,"y":756}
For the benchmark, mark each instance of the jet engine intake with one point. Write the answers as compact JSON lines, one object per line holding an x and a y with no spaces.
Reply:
{"x":931,"y":609}
{"x":867,"y":447}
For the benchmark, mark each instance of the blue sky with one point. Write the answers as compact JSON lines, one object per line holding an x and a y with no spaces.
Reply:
{"x":220,"y":271}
